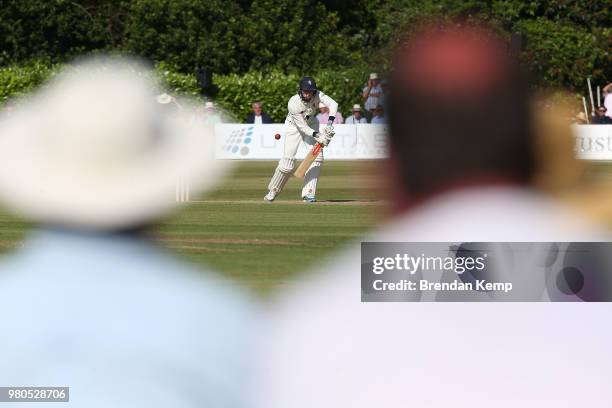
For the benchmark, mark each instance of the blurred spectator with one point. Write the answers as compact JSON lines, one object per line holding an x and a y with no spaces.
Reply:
{"x":8,"y":108}
{"x":384,"y":85}
{"x":356,"y":116}
{"x":89,"y":301}
{"x":258,"y":116}
{"x":164,"y":99}
{"x":461,"y":166}
{"x":607,"y":94}
{"x":371,"y":94}
{"x":211,"y":115}
{"x":379,"y":115}
{"x":600,"y":117}
{"x":323,"y":115}
{"x":169,"y":104}
{"x":198,"y":116}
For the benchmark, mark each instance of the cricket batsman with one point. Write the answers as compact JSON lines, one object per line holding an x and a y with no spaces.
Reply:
{"x":301,"y":125}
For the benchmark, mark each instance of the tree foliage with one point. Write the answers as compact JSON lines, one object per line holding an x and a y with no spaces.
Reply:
{"x":57,"y":29}
{"x":222,"y":35}
{"x":298,"y":36}
{"x":567,"y":39}
{"x":185,"y":33}
{"x":559,"y":53}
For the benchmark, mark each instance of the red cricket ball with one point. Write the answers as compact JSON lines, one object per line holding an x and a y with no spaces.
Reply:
{"x":277,"y":136}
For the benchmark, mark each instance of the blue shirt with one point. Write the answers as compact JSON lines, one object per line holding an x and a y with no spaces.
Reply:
{"x":122,"y":324}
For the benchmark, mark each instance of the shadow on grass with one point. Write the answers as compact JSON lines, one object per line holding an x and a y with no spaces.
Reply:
{"x":348,"y":201}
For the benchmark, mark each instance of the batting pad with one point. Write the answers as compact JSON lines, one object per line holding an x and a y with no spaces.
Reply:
{"x":311,"y":177}
{"x":279,"y":179}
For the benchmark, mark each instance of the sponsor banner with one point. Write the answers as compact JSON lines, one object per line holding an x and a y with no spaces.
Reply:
{"x":247,"y":141}
{"x":364,"y":141}
{"x":593,"y":142}
{"x":486,"y":272}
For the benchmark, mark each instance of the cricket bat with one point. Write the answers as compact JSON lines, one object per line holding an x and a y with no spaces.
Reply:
{"x":310,"y":157}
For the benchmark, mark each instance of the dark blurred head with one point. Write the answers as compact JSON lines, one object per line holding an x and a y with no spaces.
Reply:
{"x":458,"y":110}
{"x":601,"y":111}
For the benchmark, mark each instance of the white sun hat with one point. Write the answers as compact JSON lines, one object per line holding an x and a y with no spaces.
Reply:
{"x":356,"y":107}
{"x":164,"y":98}
{"x":373,"y":75}
{"x":93,"y":149}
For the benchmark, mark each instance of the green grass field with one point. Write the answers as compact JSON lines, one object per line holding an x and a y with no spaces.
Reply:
{"x":259,"y":244}
{"x":264,"y":246}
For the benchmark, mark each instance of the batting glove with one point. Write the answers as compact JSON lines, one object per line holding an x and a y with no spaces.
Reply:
{"x":329,"y":131}
{"x":321,"y":138}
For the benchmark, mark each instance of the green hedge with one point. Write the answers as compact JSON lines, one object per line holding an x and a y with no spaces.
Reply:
{"x":19,"y":80}
{"x":16,"y":81}
{"x":236,"y":93}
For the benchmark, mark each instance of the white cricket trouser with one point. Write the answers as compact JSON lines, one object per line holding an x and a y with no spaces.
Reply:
{"x":293,"y":138}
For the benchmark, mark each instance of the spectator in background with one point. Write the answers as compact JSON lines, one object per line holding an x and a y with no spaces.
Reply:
{"x":371,"y":94}
{"x":90,"y":301}
{"x":169,"y":104}
{"x":8,"y":108}
{"x":323,"y":115}
{"x":258,"y":116}
{"x":356,"y":116}
{"x":384,"y":85}
{"x":600,"y":117}
{"x":379,"y":115}
{"x":211,"y":114}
